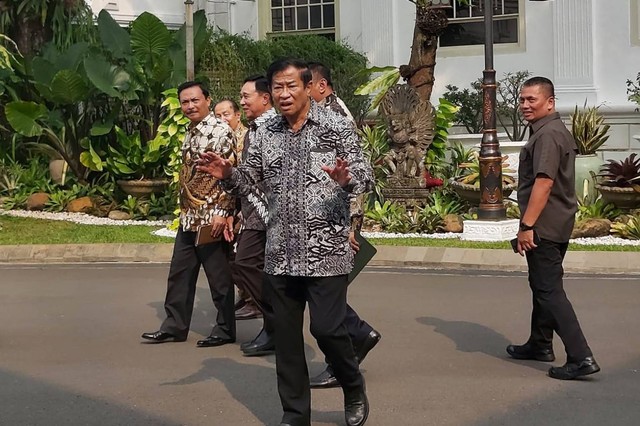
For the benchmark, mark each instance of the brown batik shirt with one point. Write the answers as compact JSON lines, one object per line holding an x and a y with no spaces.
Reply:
{"x":201,"y":196}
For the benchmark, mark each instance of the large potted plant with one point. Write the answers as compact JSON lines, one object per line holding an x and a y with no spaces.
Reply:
{"x":590,"y":133}
{"x":619,"y":182}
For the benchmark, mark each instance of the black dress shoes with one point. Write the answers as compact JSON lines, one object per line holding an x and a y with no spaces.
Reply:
{"x":356,"y":407}
{"x":369,"y":342}
{"x":528,"y":351}
{"x":260,"y":348}
{"x":212,"y":341}
{"x":573,"y":370}
{"x":324,"y":380}
{"x":162,"y":337}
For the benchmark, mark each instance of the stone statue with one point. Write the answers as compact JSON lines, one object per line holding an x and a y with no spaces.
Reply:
{"x":411,"y":129}
{"x":411,"y":123}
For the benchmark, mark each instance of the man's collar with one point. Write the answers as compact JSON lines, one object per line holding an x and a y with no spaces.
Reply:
{"x":262,"y":118}
{"x":313,"y":114}
{"x":537,"y":125}
{"x":210,"y":119}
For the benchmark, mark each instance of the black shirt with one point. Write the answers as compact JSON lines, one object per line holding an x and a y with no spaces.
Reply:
{"x":551,"y":152}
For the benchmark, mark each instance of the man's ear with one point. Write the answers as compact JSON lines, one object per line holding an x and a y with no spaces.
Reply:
{"x":322,"y":86}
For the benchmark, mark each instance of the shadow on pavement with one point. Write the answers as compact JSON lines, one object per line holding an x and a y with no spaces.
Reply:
{"x":472,"y":337}
{"x":27,"y":401}
{"x":261,"y":398}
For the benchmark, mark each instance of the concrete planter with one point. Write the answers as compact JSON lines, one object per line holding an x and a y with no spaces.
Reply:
{"x":584,"y":165}
{"x":622,"y":198}
{"x":142,"y":188}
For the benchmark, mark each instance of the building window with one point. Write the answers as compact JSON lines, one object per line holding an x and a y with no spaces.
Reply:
{"x":305,"y":16}
{"x":466,"y":23}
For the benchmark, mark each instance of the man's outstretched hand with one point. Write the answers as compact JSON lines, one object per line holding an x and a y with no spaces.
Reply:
{"x":216,"y":166}
{"x":339,"y":173}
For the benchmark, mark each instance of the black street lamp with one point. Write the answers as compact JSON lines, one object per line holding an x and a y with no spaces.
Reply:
{"x":491,"y":202}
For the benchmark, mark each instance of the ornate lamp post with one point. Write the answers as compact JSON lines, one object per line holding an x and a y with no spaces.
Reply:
{"x":491,"y":204}
{"x":189,"y":39}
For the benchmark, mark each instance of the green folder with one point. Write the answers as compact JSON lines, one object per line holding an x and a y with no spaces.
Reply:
{"x":362,"y":257}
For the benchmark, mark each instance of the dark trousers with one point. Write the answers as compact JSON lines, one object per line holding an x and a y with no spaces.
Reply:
{"x":552,"y":310}
{"x":327,"y":298}
{"x":247,"y":270}
{"x":357,"y":328}
{"x":181,"y":285}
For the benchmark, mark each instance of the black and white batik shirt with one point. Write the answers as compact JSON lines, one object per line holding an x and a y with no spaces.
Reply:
{"x":308,"y":228}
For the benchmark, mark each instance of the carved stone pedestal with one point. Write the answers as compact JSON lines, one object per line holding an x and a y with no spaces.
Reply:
{"x":407,"y":192}
{"x":488,"y":230}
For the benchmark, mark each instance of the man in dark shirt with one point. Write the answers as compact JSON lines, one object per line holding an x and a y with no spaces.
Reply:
{"x":311,"y":164}
{"x":547,"y":201}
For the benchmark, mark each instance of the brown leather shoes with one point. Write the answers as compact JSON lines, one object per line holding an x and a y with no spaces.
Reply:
{"x":248,"y":311}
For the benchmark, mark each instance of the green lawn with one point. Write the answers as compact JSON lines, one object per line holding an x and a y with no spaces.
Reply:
{"x":17,"y":230}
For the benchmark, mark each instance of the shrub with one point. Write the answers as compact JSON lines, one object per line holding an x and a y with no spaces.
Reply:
{"x":229,"y":59}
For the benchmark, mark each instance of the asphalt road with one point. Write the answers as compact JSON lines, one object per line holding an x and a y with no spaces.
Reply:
{"x":70,"y":353}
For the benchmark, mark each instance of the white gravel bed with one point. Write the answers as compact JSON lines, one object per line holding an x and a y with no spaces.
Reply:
{"x":81,"y":218}
{"x":86,"y":219}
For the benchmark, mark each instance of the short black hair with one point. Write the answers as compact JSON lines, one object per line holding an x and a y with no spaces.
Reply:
{"x":544,"y":82}
{"x":261,"y":82}
{"x":322,"y":71}
{"x":234,"y":104}
{"x":189,"y":84}
{"x":282,"y":64}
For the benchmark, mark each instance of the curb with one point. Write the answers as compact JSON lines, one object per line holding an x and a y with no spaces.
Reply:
{"x":589,"y":262}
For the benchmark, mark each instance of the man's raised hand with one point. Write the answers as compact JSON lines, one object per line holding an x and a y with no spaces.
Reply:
{"x":339,"y":173}
{"x":216,"y":166}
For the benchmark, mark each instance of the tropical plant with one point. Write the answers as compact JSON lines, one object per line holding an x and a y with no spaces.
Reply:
{"x":161,"y":205}
{"x":33,"y":23}
{"x":588,"y":129}
{"x":229,"y":58}
{"x":629,"y":229}
{"x":621,"y":173}
{"x":508,"y":104}
{"x":387,"y":77}
{"x":471,"y":171}
{"x":16,"y":201}
{"x":440,"y":204}
{"x":469,"y":103}
{"x":445,"y":117}
{"x":134,"y":207}
{"x":58,"y":200}
{"x":598,"y":209}
{"x":131,"y":159}
{"x":508,"y":112}
{"x":375,"y":145}
{"x":390,"y":216}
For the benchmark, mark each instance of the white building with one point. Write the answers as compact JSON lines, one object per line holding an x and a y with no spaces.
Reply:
{"x":589,"y":48}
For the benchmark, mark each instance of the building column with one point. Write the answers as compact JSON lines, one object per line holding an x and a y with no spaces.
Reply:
{"x":377,"y":31}
{"x":573,"y":52}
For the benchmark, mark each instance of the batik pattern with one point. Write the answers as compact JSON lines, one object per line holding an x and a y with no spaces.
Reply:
{"x":307,"y":232}
{"x":201,"y":196}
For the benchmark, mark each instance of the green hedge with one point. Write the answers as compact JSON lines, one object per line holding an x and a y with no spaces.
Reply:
{"x":229,"y":59}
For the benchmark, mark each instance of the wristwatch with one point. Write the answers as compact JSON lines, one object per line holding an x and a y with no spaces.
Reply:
{"x":525,"y":227}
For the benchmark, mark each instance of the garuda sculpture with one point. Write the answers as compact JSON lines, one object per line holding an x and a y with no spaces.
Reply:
{"x":411,"y":129}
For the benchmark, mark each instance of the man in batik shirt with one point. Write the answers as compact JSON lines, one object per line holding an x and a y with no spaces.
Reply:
{"x":202,"y":202}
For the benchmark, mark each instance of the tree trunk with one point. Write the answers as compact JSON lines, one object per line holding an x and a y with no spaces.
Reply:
{"x":422,"y":63}
{"x":430,"y":23}
{"x":29,"y":34}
